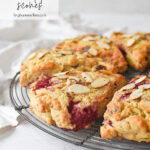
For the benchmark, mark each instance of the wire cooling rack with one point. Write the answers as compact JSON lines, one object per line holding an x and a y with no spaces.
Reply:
{"x":89,"y":138}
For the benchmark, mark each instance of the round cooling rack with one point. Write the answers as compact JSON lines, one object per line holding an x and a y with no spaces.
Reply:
{"x":89,"y":138}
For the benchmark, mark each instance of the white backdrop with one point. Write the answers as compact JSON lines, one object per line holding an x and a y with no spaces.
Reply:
{"x":105,"y":6}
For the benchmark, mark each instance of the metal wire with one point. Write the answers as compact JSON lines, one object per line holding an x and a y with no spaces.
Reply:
{"x":89,"y":138}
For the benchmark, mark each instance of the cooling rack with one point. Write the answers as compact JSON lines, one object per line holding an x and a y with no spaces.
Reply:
{"x":89,"y":138}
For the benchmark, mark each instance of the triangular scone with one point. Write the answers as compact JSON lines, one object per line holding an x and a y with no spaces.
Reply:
{"x":96,"y":46}
{"x":74,"y":100}
{"x":128,"y":114}
{"x":86,"y":53}
{"x":135,"y":47}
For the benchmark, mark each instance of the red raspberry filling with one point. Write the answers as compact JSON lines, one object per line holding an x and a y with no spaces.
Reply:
{"x":147,"y":82}
{"x":138,"y":84}
{"x":82,"y":117}
{"x":108,"y":122}
{"x":125,"y":96}
{"x":45,"y":83}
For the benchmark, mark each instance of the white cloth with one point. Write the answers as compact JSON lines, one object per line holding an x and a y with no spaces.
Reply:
{"x":18,"y":39}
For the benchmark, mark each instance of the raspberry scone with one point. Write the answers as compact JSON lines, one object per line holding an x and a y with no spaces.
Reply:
{"x":128,"y":114}
{"x":96,"y":47}
{"x":135,"y":47}
{"x":86,"y":53}
{"x":74,"y":100}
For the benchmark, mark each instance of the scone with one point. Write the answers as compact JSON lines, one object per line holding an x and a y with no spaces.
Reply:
{"x":74,"y":100}
{"x":128,"y":114}
{"x":97,"y":47}
{"x":135,"y":47}
{"x":86,"y":53}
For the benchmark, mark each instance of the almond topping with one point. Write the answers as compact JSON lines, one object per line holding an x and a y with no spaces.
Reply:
{"x":61,"y":73}
{"x":88,"y":38}
{"x":99,"y":82}
{"x":128,"y":86}
{"x":65,"y":52}
{"x":106,"y":40}
{"x":92,"y":51}
{"x":130,"y":42}
{"x":32,"y":55}
{"x":80,"y":55}
{"x":78,"y":89}
{"x":127,"y":35}
{"x":144,"y":86}
{"x":136,"y":37}
{"x":40,"y":55}
{"x":103,"y":45}
{"x":140,"y":79}
{"x":136,"y":94}
{"x":97,"y":37}
{"x":87,"y":77}
{"x":74,"y":78}
{"x":57,"y":54}
{"x":63,"y":77}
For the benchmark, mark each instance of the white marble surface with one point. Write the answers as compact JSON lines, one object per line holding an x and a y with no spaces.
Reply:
{"x":17,"y":39}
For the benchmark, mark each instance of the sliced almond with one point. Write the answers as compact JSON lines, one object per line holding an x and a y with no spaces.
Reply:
{"x":106,"y":40}
{"x":128,"y":86}
{"x":130,"y":42}
{"x":32,"y":55}
{"x":78,"y":89}
{"x":88,"y":38}
{"x":103,"y":45}
{"x":74,"y":78}
{"x":80,"y":55}
{"x":136,"y":37}
{"x":63,"y":77}
{"x":87,"y":77}
{"x":99,"y":82}
{"x":66,"y":52}
{"x":127,"y":35}
{"x":136,"y":94}
{"x":57,"y":54}
{"x":61,"y":73}
{"x":140,"y":79}
{"x":40,"y":55}
{"x":92,"y":51}
{"x":144,"y":86}
{"x":97,"y":37}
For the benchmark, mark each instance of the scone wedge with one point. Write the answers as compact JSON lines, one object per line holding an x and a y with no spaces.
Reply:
{"x":74,"y":100}
{"x":128,"y":114}
{"x":85,"y":53}
{"x":97,"y":47}
{"x":135,"y":47}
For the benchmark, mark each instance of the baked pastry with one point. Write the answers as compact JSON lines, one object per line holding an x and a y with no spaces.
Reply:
{"x":74,"y":100}
{"x":128,"y":114}
{"x":97,"y":47}
{"x":135,"y":47}
{"x":86,"y":53}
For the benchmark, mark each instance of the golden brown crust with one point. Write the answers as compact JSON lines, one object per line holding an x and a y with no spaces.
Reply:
{"x":72,"y":95}
{"x":127,"y":115}
{"x":86,"y":53}
{"x":136,"y":48}
{"x":105,"y":49}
